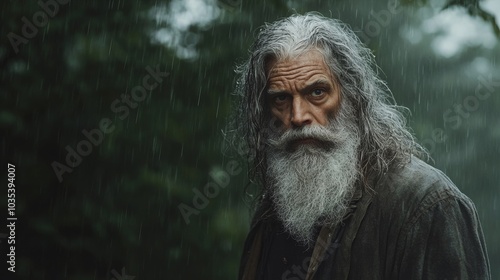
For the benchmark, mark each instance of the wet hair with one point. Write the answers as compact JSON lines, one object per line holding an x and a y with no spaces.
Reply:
{"x":385,"y":138}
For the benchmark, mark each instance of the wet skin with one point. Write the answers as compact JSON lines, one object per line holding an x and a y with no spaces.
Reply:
{"x":302,"y":91}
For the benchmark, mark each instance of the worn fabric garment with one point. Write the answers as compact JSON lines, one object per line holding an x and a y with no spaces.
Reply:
{"x":413,"y":223}
{"x":283,"y":254}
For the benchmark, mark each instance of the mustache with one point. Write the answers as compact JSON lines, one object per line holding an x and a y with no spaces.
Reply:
{"x":324,"y":136}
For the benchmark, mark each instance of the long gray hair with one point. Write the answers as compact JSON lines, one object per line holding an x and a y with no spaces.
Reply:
{"x":385,"y":139}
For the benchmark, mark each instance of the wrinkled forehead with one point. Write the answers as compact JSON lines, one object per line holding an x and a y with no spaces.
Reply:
{"x":305,"y":65}
{"x":307,"y":54}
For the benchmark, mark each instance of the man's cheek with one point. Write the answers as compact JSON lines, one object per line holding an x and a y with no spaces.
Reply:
{"x":275,"y":125}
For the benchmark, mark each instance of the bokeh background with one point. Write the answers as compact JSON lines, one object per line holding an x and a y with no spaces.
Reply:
{"x":117,"y":212}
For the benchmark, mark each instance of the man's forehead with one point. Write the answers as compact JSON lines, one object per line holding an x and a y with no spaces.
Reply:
{"x":308,"y":57}
{"x":306,"y":67}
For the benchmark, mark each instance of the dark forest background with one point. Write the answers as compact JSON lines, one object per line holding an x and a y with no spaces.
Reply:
{"x":116,"y":210}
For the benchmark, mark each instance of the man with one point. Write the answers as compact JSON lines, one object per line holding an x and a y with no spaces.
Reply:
{"x":344,"y":193}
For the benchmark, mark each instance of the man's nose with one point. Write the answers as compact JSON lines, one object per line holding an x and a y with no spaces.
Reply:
{"x":300,"y":113}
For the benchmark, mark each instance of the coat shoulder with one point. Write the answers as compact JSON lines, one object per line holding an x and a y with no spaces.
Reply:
{"x":406,"y":192}
{"x":414,"y":183}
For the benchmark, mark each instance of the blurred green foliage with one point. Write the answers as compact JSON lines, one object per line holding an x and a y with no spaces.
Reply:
{"x":118,"y":208}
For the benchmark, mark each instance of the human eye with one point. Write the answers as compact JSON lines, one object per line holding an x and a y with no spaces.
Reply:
{"x":280,"y":99}
{"x":317,"y":92}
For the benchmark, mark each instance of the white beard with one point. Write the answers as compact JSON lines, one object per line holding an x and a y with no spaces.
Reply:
{"x":312,"y":185}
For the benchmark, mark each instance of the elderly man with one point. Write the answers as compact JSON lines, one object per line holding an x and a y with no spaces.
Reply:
{"x":344,"y":193}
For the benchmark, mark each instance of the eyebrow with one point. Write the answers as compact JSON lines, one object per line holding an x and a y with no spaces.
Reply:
{"x":318,"y":83}
{"x":271,"y":92}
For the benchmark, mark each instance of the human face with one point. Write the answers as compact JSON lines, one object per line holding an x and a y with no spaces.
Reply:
{"x":302,"y":91}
